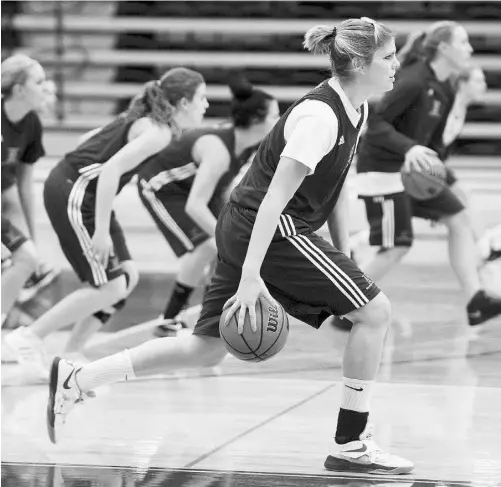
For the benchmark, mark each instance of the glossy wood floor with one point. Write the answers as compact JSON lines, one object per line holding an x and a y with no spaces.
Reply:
{"x":437,"y":402}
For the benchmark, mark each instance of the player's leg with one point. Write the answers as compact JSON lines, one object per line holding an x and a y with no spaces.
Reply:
{"x":463,"y":256}
{"x":193,"y":270}
{"x":390,"y":221}
{"x":44,"y":272}
{"x":485,"y":248}
{"x":23,"y":262}
{"x":104,"y":286}
{"x":86,"y":328}
{"x":190,"y":244}
{"x":316,"y":280}
{"x":70,"y":383}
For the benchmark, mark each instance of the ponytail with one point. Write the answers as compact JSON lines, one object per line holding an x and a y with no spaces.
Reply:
{"x":319,"y":39}
{"x":412,"y":51}
{"x":249,"y":105}
{"x":160,"y":98}
{"x":352,"y":42}
{"x":151,"y":103}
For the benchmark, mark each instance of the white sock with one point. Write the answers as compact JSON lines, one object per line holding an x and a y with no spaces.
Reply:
{"x":356,"y":394}
{"x":108,"y":370}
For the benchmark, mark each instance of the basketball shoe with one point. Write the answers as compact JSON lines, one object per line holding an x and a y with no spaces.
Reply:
{"x":365,"y":456}
{"x":64,"y":393}
{"x":482,"y":307}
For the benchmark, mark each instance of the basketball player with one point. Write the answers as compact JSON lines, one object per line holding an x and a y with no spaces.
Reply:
{"x":23,"y":95}
{"x":79,"y":194}
{"x":407,"y":129}
{"x":267,"y":243}
{"x":183,"y":186}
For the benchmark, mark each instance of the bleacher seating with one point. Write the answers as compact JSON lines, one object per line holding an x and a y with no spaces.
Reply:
{"x":263,"y":38}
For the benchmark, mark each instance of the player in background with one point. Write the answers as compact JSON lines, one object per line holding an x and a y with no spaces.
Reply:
{"x":406,"y":128}
{"x":79,"y":194}
{"x":24,"y":93}
{"x":266,"y":243}
{"x":183,"y":188}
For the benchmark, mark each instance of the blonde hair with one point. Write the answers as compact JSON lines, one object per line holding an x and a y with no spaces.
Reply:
{"x":15,"y":71}
{"x":353,"y":39}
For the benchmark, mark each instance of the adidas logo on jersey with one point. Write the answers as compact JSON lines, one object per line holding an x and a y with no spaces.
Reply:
{"x":341,"y":140}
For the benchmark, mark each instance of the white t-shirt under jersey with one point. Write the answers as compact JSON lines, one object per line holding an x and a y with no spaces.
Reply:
{"x":315,"y":122}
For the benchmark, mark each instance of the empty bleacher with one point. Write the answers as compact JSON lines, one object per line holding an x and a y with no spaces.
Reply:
{"x":111,"y":48}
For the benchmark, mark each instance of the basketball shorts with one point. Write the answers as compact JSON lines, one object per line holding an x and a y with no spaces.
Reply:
{"x":169,"y":214}
{"x":12,"y":237}
{"x":71,"y":210}
{"x":305,"y":273}
{"x":390,"y":216}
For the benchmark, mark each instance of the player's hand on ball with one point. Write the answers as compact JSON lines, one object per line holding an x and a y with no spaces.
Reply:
{"x":420,"y":158}
{"x":245,"y":301}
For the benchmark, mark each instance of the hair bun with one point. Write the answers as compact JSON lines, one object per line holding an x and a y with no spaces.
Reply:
{"x":241,"y":87}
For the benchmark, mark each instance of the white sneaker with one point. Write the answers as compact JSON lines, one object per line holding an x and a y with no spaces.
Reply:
{"x":169,"y":327}
{"x":64,"y":393}
{"x":28,"y":349}
{"x":365,"y":456}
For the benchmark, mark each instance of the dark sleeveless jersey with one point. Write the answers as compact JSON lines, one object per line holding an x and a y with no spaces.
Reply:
{"x":415,"y":112}
{"x":318,"y":193}
{"x":89,"y":157}
{"x":172,"y":171}
{"x":21,"y":143}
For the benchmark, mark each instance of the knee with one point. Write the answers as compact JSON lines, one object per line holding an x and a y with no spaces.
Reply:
{"x":207,"y":248}
{"x":458,"y":221}
{"x":376,"y":314}
{"x":212,"y":351}
{"x":116,"y":290}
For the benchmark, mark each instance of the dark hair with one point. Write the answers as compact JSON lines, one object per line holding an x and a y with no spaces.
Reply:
{"x":15,"y":71}
{"x":249,"y":105}
{"x":352,"y":39}
{"x":423,"y":46}
{"x":159,"y":98}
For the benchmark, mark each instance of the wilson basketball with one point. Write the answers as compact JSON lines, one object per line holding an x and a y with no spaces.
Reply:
{"x":426,"y":184}
{"x":269,"y":338}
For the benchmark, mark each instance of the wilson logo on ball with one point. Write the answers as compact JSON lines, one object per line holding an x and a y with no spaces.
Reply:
{"x":272,"y":319}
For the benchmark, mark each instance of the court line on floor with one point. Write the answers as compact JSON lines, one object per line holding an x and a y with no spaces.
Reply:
{"x":259,"y":425}
{"x":303,"y":369}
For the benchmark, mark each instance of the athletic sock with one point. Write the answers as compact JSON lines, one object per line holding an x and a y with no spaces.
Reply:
{"x":108,"y":370}
{"x":178,"y":300}
{"x":354,"y":411}
{"x":356,"y":394}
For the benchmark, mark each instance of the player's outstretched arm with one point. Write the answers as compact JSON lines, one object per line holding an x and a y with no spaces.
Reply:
{"x":287,"y":179}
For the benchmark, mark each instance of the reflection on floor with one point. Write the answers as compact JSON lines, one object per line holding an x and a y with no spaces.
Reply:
{"x":25,"y":475}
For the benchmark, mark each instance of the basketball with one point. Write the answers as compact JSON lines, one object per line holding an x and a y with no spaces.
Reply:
{"x":426,"y":184}
{"x":269,"y":338}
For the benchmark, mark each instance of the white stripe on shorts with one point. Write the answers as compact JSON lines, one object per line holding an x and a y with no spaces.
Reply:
{"x":388,"y":224}
{"x":74,"y":211}
{"x":163,"y":215}
{"x":318,"y":258}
